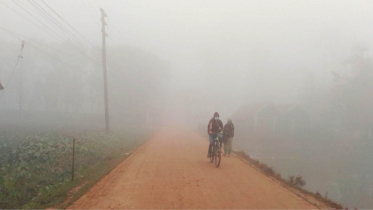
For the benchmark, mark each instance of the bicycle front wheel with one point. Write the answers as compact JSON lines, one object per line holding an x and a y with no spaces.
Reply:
{"x":217,"y":156}
{"x":212,"y":155}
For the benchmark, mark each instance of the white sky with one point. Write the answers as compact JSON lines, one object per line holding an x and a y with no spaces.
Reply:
{"x":258,"y":45}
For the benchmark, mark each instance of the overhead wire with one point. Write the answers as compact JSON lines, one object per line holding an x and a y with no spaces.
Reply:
{"x":37,"y":19}
{"x":63,"y":28}
{"x":109,"y":37}
{"x":95,"y":59}
{"x":116,"y":29}
{"x":46,"y":53}
{"x":25,"y":38}
{"x":61,"y":39}
{"x":11,"y":75}
{"x":110,"y":70}
{"x":109,"y":26}
{"x":89,"y":11}
{"x":43,"y":14}
{"x":64,"y":21}
{"x":85,"y":39}
{"x":48,"y":17}
{"x":69,"y":41}
{"x":56,"y":58}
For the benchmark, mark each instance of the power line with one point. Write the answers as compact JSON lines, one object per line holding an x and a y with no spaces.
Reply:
{"x":48,"y":54}
{"x":17,"y":34}
{"x":37,"y":19}
{"x":11,"y":75}
{"x":64,"y":28}
{"x":98,"y":7}
{"x":66,"y":22}
{"x":50,"y":18}
{"x":89,"y":11}
{"x":120,"y":36}
{"x":69,"y":35}
{"x":55,"y":58}
{"x":31,"y":21}
{"x":69,"y":41}
{"x":18,"y":37}
{"x":62,"y":19}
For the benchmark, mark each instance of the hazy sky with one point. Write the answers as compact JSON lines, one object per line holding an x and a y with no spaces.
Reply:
{"x":249,"y":49}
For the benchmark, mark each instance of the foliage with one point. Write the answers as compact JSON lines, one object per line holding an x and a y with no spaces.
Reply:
{"x":32,"y":164}
{"x":296,"y":181}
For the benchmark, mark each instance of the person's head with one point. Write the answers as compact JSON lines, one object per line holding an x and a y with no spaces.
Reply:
{"x":229,"y":121}
{"x":216,"y":115}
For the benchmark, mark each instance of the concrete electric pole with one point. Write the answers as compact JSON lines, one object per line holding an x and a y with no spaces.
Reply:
{"x":103,"y":15}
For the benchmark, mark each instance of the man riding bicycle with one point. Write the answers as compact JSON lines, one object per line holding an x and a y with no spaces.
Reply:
{"x":214,"y":127}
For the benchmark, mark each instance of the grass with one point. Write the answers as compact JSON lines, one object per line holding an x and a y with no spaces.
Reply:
{"x":269,"y":171}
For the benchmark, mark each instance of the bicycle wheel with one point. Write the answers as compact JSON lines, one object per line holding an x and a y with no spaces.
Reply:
{"x":212,"y":155}
{"x":217,"y":155}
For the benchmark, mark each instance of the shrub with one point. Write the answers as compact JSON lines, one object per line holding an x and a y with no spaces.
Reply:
{"x":296,"y":181}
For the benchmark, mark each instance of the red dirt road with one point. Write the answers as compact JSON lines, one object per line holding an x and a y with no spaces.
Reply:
{"x":171,"y":171}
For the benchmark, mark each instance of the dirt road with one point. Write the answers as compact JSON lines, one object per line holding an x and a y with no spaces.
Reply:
{"x":171,"y":171}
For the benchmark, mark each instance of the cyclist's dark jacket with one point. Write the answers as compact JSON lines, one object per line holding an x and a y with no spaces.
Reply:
{"x":215,"y":126}
{"x":228,"y":130}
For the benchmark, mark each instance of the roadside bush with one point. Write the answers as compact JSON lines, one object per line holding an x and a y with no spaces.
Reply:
{"x":296,"y":181}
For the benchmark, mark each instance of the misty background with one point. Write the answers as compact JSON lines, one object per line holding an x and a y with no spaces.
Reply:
{"x":177,"y":62}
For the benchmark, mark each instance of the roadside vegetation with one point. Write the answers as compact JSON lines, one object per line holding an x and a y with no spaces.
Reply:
{"x":295,"y":182}
{"x":36,"y":166}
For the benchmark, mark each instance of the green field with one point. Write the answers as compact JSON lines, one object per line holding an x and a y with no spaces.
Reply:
{"x":35,"y":163}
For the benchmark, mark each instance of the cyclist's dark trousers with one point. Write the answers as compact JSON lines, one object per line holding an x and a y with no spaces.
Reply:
{"x":211,"y":138}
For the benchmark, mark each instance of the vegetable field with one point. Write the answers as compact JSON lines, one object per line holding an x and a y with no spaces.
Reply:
{"x":34,"y":162}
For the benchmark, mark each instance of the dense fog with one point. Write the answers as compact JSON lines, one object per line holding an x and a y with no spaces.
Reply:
{"x":294,"y":76}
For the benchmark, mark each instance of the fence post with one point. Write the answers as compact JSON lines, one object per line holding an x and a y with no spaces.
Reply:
{"x":72,"y":171}
{"x":19,"y":202}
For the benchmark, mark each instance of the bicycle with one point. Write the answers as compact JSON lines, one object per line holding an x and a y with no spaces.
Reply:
{"x":216,"y":152}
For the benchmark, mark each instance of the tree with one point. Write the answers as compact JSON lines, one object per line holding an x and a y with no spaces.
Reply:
{"x":352,"y":94}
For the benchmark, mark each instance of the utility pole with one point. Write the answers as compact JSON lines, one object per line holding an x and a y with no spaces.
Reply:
{"x":20,"y":79}
{"x":20,"y":90}
{"x":103,"y":15}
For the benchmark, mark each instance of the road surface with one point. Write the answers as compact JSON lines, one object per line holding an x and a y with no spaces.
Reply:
{"x":171,"y":171}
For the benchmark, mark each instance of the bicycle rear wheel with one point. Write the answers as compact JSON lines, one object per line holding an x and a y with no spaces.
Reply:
{"x":212,"y":155}
{"x":217,"y":155}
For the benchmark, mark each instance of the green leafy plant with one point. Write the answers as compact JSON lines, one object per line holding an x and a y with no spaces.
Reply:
{"x":34,"y":163}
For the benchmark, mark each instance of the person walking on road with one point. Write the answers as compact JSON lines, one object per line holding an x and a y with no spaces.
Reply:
{"x":228,"y":133}
{"x":214,"y":127}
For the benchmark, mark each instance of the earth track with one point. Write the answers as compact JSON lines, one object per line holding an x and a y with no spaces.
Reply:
{"x":171,"y":171}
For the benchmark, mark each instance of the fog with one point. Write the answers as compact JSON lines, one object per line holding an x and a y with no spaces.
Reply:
{"x":177,"y":62}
